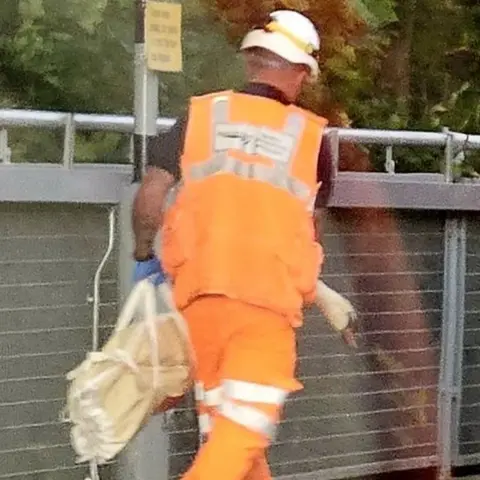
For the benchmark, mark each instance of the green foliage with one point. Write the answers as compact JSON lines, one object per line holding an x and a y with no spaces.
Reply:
{"x":376,"y":13}
{"x":77,"y":56}
{"x":54,"y":52}
{"x":409,"y":64}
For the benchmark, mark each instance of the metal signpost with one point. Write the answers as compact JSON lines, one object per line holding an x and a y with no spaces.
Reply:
{"x":157,"y":48}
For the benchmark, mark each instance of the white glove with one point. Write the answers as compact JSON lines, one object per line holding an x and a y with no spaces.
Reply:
{"x":338,"y":311}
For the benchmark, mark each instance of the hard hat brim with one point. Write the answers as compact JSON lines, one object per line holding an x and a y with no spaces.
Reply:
{"x":282,"y":46}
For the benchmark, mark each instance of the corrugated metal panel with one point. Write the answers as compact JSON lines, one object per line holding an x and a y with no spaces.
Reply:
{"x":378,"y":404}
{"x":183,"y":436}
{"x":48,"y":258}
{"x":469,"y":438}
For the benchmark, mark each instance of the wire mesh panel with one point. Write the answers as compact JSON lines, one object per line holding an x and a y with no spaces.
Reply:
{"x":183,"y":436}
{"x":469,"y":433}
{"x":48,"y":258}
{"x":375,"y":409}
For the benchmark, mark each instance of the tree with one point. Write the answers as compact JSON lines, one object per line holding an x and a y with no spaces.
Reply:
{"x":77,"y":56}
{"x":410,"y":64}
{"x":426,"y":77}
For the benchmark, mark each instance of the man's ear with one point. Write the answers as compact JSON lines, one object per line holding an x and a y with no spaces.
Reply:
{"x":302,"y":74}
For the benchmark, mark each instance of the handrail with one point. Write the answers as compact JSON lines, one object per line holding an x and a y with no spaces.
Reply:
{"x":81,"y":121}
{"x":125,"y":124}
{"x":73,"y":122}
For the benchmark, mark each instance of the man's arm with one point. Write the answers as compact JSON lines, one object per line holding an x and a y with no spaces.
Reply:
{"x":339,"y":312}
{"x":147,"y":210}
{"x":163,"y":171}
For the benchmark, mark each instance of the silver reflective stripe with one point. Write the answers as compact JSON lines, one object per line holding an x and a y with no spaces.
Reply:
{"x":254,"y":392}
{"x":255,"y":141}
{"x":199,"y":392}
{"x":222,"y":163}
{"x":204,"y":423}
{"x":220,"y":107}
{"x":213,"y":397}
{"x":294,"y":125}
{"x":279,"y":146}
{"x":219,"y":115}
{"x":248,"y":417}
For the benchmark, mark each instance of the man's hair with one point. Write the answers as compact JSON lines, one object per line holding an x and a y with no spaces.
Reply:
{"x":258,"y":59}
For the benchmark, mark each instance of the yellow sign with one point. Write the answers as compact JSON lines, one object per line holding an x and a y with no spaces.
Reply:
{"x":163,"y":36}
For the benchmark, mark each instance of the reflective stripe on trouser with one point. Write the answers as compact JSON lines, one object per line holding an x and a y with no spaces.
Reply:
{"x":207,"y":406}
{"x":248,"y":352}
{"x":224,"y":399}
{"x":253,"y":417}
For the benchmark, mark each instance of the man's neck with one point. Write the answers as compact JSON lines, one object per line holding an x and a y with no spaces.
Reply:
{"x":284,"y":87}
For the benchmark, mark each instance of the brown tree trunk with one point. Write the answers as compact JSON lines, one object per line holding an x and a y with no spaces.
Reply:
{"x":397,"y":66}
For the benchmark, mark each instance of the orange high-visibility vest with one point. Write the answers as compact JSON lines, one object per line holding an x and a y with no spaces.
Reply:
{"x":241,"y":222}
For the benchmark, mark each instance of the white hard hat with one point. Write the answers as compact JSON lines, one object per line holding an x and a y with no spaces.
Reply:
{"x":290,"y":35}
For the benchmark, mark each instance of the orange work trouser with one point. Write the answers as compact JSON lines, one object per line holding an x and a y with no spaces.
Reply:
{"x":246,"y":359}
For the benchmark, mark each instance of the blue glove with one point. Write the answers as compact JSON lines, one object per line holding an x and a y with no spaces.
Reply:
{"x":149,"y":269}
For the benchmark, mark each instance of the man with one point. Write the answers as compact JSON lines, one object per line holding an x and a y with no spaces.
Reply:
{"x":238,"y":240}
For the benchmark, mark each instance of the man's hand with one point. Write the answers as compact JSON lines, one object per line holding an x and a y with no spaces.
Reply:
{"x":151,"y":269}
{"x":349,"y":333}
{"x":338,"y":311}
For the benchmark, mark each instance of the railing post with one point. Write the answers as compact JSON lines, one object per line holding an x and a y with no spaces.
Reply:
{"x":335,"y":146}
{"x":5,"y":151}
{"x":448,"y":155}
{"x":389,"y":161}
{"x":69,"y":141}
{"x":452,"y":341}
{"x":459,"y":336}
{"x":145,"y":96}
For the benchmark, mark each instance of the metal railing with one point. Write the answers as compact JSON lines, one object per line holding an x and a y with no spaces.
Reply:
{"x":409,"y":398}
{"x":71,"y":122}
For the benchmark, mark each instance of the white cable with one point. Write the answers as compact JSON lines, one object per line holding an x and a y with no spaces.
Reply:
{"x":96,"y":308}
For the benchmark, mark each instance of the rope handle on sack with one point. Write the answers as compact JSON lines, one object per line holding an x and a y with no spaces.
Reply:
{"x":144,"y":292}
{"x":144,"y":295}
{"x":167,"y":296}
